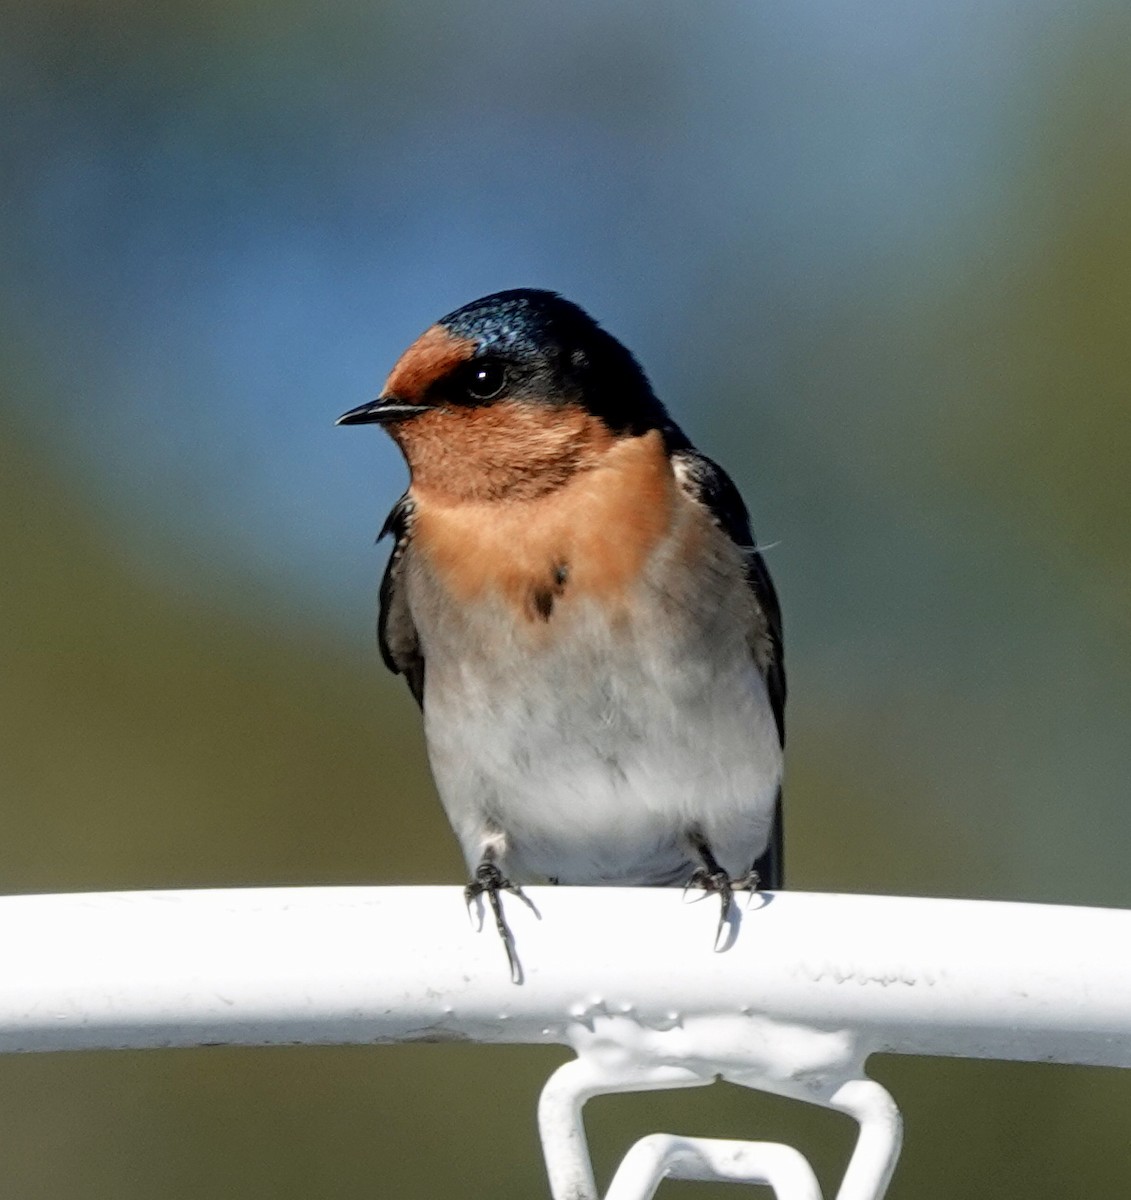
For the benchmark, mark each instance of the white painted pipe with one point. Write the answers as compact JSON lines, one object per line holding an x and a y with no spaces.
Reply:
{"x":661,"y":1156}
{"x":269,"y":966}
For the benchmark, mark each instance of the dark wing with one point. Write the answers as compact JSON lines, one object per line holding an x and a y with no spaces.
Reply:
{"x":710,"y":485}
{"x":396,"y":633}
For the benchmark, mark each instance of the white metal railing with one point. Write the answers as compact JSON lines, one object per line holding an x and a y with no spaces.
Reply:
{"x":806,"y":989}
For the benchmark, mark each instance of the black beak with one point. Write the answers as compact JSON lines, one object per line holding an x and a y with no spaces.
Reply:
{"x":381,"y":411}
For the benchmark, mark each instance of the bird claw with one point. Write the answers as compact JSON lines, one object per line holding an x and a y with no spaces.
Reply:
{"x":719,"y":881}
{"x":490,"y":881}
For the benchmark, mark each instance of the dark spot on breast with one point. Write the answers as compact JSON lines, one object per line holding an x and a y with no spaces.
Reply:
{"x":542,"y":596}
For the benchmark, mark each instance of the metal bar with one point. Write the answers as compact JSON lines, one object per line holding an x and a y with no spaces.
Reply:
{"x":326,"y":965}
{"x":806,"y":988}
{"x":661,"y":1156}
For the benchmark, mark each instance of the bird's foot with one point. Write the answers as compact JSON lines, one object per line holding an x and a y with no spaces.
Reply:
{"x":750,"y":882}
{"x":717,"y":880}
{"x":490,"y":881}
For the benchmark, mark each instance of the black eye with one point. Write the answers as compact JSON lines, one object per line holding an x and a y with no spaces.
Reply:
{"x":485,"y":380}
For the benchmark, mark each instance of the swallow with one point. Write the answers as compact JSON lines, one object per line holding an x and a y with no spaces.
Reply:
{"x":577,"y":603}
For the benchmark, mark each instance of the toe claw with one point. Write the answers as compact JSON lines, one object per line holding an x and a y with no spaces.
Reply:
{"x":490,"y":881}
{"x":725,"y":898}
{"x":718,"y":881}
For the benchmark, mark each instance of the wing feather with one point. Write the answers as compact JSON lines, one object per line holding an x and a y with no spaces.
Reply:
{"x":396,"y":630}
{"x":708,"y":484}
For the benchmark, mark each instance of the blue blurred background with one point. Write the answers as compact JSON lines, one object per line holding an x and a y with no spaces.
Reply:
{"x":877,"y":262}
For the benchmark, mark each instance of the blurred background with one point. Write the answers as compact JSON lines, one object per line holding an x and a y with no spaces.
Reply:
{"x":876,"y":260}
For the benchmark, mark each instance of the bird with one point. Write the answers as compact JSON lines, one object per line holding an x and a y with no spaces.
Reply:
{"x":578,"y":605}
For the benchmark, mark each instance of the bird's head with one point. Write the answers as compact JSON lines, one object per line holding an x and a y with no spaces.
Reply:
{"x":510,"y":395}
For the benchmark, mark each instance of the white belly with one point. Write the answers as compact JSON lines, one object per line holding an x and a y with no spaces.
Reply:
{"x":584,"y":750}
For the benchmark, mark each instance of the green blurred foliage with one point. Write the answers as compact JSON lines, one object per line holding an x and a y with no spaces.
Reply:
{"x":1050,"y":340}
{"x":150,"y":739}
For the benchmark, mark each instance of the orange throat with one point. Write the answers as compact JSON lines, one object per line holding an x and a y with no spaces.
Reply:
{"x":506,"y":451}
{"x":540,"y":521}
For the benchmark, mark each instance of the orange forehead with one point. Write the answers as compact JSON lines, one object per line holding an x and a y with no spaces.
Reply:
{"x":429,"y":358}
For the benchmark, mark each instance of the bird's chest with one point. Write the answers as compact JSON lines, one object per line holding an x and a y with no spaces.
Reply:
{"x":530,"y":566}
{"x":592,"y":736}
{"x":588,"y":681}
{"x":591,"y":623}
